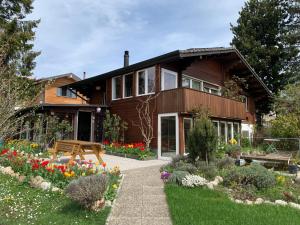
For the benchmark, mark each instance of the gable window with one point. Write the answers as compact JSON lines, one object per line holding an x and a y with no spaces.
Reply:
{"x":116,"y":87}
{"x":169,"y":80}
{"x":128,"y":84}
{"x":65,"y":92}
{"x":146,"y":81}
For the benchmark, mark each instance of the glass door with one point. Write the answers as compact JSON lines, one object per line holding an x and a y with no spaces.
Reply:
{"x":168,"y":135}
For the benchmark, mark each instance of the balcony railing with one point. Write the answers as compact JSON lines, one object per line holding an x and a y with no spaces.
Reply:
{"x":184,"y":100}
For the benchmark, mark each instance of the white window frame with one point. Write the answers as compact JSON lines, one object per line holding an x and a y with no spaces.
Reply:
{"x":202,"y":84}
{"x":124,"y":84}
{"x":226,"y":133}
{"x":159,"y":134}
{"x":218,"y":128}
{"x":192,"y":123}
{"x":232,"y":130}
{"x":113,"y":87}
{"x":146,"y":82}
{"x":162,"y":84}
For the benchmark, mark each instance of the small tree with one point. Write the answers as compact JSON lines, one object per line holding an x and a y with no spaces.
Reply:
{"x":202,"y":139}
{"x":113,"y":125}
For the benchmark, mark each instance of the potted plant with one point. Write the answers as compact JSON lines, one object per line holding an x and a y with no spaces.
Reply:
{"x":293,"y":167}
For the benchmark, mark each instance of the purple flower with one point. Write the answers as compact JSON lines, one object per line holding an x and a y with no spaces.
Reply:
{"x":165,"y":175}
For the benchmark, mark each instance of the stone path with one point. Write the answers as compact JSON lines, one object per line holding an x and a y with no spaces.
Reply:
{"x":141,"y":200}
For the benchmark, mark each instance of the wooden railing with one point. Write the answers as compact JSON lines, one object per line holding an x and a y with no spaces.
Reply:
{"x":183,"y":100}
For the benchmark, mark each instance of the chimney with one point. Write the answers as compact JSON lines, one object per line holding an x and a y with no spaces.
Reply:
{"x":126,"y":58}
{"x":84,"y":75}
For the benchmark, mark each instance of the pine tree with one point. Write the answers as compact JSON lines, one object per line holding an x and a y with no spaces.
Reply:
{"x":17,"y":35}
{"x":265,"y":35}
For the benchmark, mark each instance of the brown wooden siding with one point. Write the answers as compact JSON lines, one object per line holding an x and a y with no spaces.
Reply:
{"x":183,"y":100}
{"x":50,"y":93}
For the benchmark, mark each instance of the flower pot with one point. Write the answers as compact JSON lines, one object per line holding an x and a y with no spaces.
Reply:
{"x":293,"y":169}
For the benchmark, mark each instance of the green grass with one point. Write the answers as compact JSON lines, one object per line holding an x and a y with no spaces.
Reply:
{"x":21,"y":204}
{"x":206,"y":207}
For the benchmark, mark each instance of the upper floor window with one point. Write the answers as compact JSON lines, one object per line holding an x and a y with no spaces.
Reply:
{"x":146,"y":81}
{"x":200,"y":85}
{"x":168,"y":80}
{"x":116,"y":87}
{"x":128,"y":85}
{"x":65,"y":92}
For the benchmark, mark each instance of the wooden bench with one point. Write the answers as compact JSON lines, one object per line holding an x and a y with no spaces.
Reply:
{"x":74,"y":148}
{"x":281,"y":157}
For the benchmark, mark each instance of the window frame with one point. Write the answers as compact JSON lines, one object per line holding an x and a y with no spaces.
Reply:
{"x":202,"y":84}
{"x":162,"y":85}
{"x":113,"y":88}
{"x":59,"y":93}
{"x":192,"y":125}
{"x":146,"y":81}
{"x":125,"y":84}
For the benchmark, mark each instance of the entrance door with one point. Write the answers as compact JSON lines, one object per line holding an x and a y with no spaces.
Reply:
{"x":168,"y":140}
{"x":84,"y":126}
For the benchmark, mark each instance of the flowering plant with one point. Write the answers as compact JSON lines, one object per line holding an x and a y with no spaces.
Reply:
{"x":137,"y":149}
{"x":193,"y":181}
{"x":165,"y":175}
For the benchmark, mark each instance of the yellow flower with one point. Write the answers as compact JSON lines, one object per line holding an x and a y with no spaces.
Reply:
{"x":67,"y":174}
{"x":83,"y":174}
{"x":114,"y":186}
{"x":232,"y":141}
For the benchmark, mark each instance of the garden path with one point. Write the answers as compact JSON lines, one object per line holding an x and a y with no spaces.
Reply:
{"x":141,"y":199}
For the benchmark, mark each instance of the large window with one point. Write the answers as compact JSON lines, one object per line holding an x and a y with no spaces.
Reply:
{"x":116,"y":87}
{"x":146,"y":81}
{"x":128,"y":84}
{"x":227,"y":130}
{"x":169,"y":80}
{"x":65,"y":92}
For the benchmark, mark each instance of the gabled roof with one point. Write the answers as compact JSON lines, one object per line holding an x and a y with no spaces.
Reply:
{"x":168,"y":57}
{"x":69,"y":75}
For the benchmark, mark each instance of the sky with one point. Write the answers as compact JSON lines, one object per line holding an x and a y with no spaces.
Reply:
{"x":91,"y":35}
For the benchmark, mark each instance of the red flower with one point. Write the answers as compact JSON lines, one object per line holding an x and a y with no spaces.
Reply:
{"x":104,"y":164}
{"x":44,"y":163}
{"x":142,"y":149}
{"x":106,"y":142}
{"x":35,"y":166}
{"x":49,"y":169}
{"x":14,"y":153}
{"x":4,"y":151}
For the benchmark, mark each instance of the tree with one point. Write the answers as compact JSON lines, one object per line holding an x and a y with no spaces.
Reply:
{"x":202,"y":139}
{"x":17,"y":34}
{"x":17,"y":91}
{"x":112,"y":125}
{"x":288,"y":100}
{"x":265,"y":35}
{"x":145,"y":110}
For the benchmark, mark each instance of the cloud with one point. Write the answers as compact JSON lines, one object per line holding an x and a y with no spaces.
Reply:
{"x":84,"y":35}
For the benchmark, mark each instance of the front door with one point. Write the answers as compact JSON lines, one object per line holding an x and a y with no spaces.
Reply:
{"x":168,"y":141}
{"x":84,"y":126}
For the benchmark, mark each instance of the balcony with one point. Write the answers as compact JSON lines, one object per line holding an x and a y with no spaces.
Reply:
{"x":183,"y":100}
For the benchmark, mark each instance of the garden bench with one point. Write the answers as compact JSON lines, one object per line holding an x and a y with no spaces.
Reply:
{"x":279,"y":156}
{"x":74,"y":148}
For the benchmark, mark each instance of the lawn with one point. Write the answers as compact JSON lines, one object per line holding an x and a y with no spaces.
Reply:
{"x":21,"y":204}
{"x":200,"y":206}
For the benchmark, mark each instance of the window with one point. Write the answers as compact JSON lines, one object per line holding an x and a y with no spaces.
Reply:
{"x":210,"y":88}
{"x":169,"y":80}
{"x":216,"y":124}
{"x":128,"y":84}
{"x":116,"y":87}
{"x":146,"y":81}
{"x":196,"y":85}
{"x":187,"y":126}
{"x":245,"y":100}
{"x":65,"y":92}
{"x":229,"y":131}
{"x":186,"y":82}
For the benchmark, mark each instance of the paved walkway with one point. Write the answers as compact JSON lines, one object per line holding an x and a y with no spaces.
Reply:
{"x":141,"y":200}
{"x":123,"y":163}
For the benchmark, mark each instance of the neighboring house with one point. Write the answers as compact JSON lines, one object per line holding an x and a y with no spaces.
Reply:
{"x":56,"y":100}
{"x":183,"y":80}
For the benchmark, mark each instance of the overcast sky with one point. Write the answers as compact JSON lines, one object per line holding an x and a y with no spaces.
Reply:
{"x":91,"y":35}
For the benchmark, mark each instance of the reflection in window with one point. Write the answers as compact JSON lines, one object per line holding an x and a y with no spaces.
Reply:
{"x":128,"y":84}
{"x":116,"y":87}
{"x":169,"y":79}
{"x":168,"y":136}
{"x":146,"y":81}
{"x":187,"y":126}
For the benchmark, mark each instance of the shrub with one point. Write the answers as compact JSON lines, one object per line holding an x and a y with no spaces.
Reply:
{"x":177,"y":177}
{"x":168,"y":168}
{"x":87,"y":190}
{"x":202,"y":139}
{"x":225,"y":163}
{"x":208,"y":171}
{"x":253,"y":175}
{"x":178,"y":158}
{"x":186,"y":167}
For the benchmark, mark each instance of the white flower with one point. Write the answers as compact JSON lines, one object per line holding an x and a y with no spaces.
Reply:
{"x":193,"y":181}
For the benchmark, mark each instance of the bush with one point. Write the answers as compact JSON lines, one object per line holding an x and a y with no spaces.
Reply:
{"x":253,"y":175}
{"x":177,"y":177}
{"x":225,"y":163}
{"x":208,"y":171}
{"x":178,"y":158}
{"x":202,"y":139}
{"x":87,"y":190}
{"x":186,"y":167}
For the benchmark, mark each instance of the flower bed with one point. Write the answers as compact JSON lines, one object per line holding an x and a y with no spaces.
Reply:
{"x":134,"y":150}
